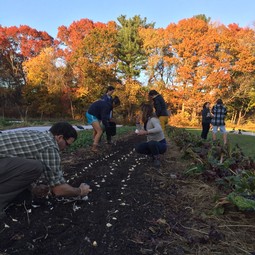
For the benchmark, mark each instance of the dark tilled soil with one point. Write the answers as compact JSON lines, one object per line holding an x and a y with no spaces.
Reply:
{"x":133,"y":209}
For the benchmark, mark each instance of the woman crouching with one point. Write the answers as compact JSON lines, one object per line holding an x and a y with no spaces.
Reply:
{"x":156,"y":142}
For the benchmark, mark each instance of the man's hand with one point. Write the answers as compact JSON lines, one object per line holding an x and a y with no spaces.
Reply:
{"x":85,"y":189}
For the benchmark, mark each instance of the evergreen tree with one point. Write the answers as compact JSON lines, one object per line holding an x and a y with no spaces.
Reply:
{"x":130,"y":53}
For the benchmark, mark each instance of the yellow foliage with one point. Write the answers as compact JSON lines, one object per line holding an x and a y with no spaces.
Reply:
{"x":82,"y":91}
{"x":42,"y":70}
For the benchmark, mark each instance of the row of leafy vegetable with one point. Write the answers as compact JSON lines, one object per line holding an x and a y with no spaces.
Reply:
{"x":226,"y":165}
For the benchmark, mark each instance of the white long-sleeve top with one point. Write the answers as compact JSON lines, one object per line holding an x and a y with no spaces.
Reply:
{"x":155,"y":132}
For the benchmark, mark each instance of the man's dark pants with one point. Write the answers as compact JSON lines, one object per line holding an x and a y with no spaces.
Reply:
{"x":16,"y":175}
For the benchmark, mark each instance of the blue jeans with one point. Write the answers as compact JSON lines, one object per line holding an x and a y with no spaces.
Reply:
{"x":153,"y":148}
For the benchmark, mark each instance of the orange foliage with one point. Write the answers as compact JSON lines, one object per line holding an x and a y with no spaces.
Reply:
{"x":189,"y":62}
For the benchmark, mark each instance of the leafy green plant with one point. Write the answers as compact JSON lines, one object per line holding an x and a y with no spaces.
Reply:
{"x":244,"y":204}
{"x":195,"y":170}
{"x":227,"y":165}
{"x":85,"y":137}
{"x":244,"y":182}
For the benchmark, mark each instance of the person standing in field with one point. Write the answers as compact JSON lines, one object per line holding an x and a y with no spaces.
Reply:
{"x":219,"y":112}
{"x":160,"y":107}
{"x":206,"y":120}
{"x":107,"y":97}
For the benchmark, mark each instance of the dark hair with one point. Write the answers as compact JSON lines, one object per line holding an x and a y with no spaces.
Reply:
{"x":204,"y":105}
{"x":110,"y":88}
{"x":116,"y":101}
{"x":141,"y":106}
{"x":153,"y":92}
{"x":147,"y":112}
{"x":65,"y":129}
{"x":219,"y":101}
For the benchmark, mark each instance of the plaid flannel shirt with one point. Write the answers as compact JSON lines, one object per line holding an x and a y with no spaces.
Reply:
{"x":219,"y":112}
{"x":34,"y":145}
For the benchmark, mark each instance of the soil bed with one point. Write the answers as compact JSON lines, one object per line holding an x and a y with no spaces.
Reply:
{"x":133,"y":209}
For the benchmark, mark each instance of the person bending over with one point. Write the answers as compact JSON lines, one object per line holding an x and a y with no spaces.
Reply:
{"x":25,"y":155}
{"x":108,"y":98}
{"x":108,"y":94}
{"x":100,"y":112}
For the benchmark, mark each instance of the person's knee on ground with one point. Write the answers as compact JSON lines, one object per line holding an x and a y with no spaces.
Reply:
{"x":19,"y":175}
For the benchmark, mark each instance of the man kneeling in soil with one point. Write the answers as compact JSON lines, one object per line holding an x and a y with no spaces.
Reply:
{"x":25,"y":155}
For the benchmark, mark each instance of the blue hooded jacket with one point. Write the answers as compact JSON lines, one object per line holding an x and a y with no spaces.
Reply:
{"x":101,"y":110}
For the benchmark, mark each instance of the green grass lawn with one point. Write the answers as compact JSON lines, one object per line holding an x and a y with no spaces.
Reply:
{"x":246,"y":142}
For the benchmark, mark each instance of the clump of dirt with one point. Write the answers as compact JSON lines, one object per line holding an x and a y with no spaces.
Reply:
{"x":133,"y":209}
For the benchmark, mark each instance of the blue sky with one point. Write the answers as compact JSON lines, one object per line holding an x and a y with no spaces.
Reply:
{"x":48,"y":15}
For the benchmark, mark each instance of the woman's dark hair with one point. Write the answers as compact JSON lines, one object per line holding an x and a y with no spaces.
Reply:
{"x":65,"y":129}
{"x":147,"y":112}
{"x":219,"y":101}
{"x":116,"y":101}
{"x":153,"y":92}
{"x":110,"y":88}
{"x":141,"y":106}
{"x":204,"y":105}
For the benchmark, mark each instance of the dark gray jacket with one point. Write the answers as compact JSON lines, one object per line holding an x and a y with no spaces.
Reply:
{"x":160,"y":106}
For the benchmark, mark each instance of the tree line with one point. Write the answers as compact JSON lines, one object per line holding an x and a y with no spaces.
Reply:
{"x":189,"y":62}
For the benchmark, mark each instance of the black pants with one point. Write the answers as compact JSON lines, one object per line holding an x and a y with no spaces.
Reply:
{"x":205,"y":130}
{"x":16,"y":175}
{"x":152,"y":148}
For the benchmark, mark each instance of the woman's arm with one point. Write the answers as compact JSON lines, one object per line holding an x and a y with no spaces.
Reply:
{"x":156,"y":126}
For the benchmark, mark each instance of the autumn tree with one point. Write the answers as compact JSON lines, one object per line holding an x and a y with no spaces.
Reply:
{"x":131,"y":95}
{"x":17,"y":44}
{"x":94,"y":63}
{"x":160,"y":63}
{"x":189,"y":63}
{"x":89,"y":53}
{"x":186,"y":42}
{"x":46,"y":84}
{"x":241,"y":90}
